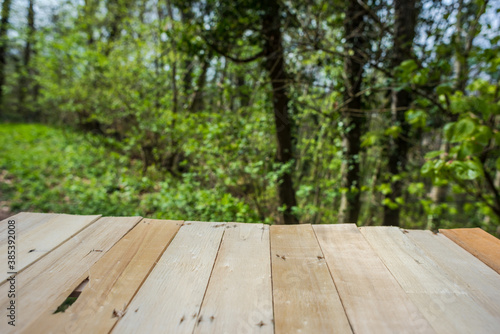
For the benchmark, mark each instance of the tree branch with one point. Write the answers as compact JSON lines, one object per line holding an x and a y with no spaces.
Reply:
{"x":235,"y":59}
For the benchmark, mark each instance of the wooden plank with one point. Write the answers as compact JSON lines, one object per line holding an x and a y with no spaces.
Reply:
{"x":41,"y":234}
{"x":479,"y":243}
{"x":305,"y":297}
{"x":443,"y":300}
{"x":113,"y":281}
{"x":481,"y":282}
{"x":46,"y":281}
{"x":373,"y":299}
{"x":239,"y":296}
{"x":24,"y":221}
{"x":170,"y":299}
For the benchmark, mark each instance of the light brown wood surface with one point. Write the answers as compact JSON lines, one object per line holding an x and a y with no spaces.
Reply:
{"x":373,"y":299}
{"x":305,"y":297}
{"x":239,"y":296}
{"x":41,"y":234}
{"x":481,"y":282}
{"x":444,"y":301}
{"x":479,"y":243}
{"x":23,"y":222}
{"x":170,"y":299}
{"x":113,"y":281}
{"x":158,"y":276}
{"x":45,"y":283}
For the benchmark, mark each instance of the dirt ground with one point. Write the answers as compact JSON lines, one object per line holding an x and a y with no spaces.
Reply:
{"x":4,"y":211}
{"x":4,"y":205}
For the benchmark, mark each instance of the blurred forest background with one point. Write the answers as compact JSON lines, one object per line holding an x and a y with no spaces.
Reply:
{"x":370,"y":112}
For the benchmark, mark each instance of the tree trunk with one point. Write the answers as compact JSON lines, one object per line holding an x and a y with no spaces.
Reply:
{"x":404,"y":33}
{"x":187,"y":64}
{"x":353,"y":117}
{"x":26,"y":77}
{"x":175,"y":92}
{"x":4,"y":23}
{"x":197,"y":103}
{"x":275,"y":66}
{"x":115,"y":16}
{"x":243,"y":91}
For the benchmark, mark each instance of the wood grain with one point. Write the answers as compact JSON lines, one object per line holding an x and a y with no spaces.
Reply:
{"x":38,"y":234}
{"x":479,"y":243}
{"x":239,"y":296}
{"x":373,"y":299}
{"x":444,"y":301}
{"x":170,"y":299}
{"x":24,"y":221}
{"x":113,"y":281}
{"x":46,"y":282}
{"x":481,"y":282}
{"x":305,"y":297}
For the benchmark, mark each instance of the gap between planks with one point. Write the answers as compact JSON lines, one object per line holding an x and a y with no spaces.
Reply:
{"x":304,"y":293}
{"x":171,"y":297}
{"x":372,"y":297}
{"x":39,"y":234}
{"x":479,"y":243}
{"x":113,"y":281}
{"x":440,"y":295}
{"x":61,"y":269}
{"x":241,"y":276}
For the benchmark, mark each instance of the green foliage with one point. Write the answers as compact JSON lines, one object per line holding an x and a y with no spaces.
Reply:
{"x":50,"y":170}
{"x":148,"y":118}
{"x":471,"y":160}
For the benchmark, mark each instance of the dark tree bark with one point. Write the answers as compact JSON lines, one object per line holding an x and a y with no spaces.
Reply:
{"x":115,"y":16}
{"x":354,"y":118}
{"x":88,"y":17}
{"x":404,"y":33}
{"x":187,"y":64}
{"x":244,"y":95}
{"x":197,"y":103}
{"x":274,"y":63}
{"x":26,"y":79}
{"x":175,"y":101}
{"x":4,"y":23}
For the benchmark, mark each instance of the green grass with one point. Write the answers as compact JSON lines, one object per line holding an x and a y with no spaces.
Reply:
{"x":45,"y":169}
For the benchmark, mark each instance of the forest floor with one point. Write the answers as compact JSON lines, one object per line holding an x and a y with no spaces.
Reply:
{"x":47,"y":169}
{"x":5,"y":211}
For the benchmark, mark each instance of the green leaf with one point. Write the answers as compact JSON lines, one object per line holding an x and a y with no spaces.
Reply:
{"x":466,"y":170}
{"x":443,"y":89}
{"x":420,"y":78}
{"x":448,"y":130}
{"x":370,"y":139}
{"x":416,"y":188}
{"x":462,"y":130}
{"x":468,"y":149}
{"x":427,"y":168}
{"x":393,"y":131}
{"x":385,"y":188}
{"x":483,"y":135}
{"x":408,"y":66}
{"x":433,"y":154}
{"x":390,"y":204}
{"x":417,"y":118}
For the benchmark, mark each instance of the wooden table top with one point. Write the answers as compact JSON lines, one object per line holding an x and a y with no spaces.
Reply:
{"x":135,"y":275}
